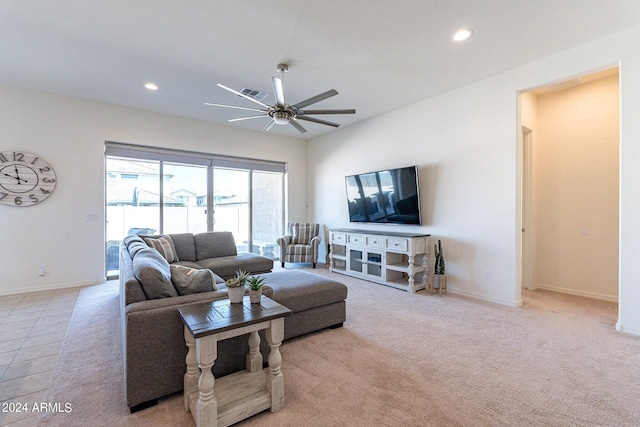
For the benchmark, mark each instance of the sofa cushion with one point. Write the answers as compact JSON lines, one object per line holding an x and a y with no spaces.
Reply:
{"x":185,"y":246}
{"x":189,"y":281}
{"x":298,"y":250}
{"x":131,"y":239}
{"x":300,"y":290}
{"x":136,"y":247}
{"x":154,"y":274}
{"x":165,"y":246}
{"x":226,"y":266}
{"x":134,"y":243}
{"x":214,"y":244}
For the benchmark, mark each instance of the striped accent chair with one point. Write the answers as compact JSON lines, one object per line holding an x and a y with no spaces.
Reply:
{"x":300,"y":244}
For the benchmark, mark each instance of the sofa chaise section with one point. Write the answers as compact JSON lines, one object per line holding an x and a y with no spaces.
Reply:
{"x":154,"y":348}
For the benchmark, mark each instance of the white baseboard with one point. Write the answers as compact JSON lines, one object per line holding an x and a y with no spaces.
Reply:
{"x":50,"y":287}
{"x":628,"y":331}
{"x":483,"y":298}
{"x":578,"y":292}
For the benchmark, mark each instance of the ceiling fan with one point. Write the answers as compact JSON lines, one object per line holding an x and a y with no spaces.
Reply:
{"x":282,"y":113}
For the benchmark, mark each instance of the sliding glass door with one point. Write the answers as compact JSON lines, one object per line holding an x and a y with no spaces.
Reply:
{"x":132,"y":205}
{"x":184,"y":198}
{"x":267,"y":207}
{"x":161,"y":191}
{"x":250,"y":204}
{"x":231,"y":204}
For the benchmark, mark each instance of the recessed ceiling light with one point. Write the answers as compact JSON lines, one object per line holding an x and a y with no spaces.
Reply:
{"x":462,"y":34}
{"x":151,"y":86}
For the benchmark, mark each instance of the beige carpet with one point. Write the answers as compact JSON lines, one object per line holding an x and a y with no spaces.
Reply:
{"x":399,"y":360}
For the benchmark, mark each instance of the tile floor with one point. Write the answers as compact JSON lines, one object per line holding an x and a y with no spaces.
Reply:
{"x":33,"y":327}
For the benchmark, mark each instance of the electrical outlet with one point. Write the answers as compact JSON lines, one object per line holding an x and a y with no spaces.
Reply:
{"x":486,"y":275}
{"x":42,"y":270}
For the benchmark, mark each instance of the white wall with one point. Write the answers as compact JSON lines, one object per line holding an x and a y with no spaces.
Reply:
{"x":66,"y":231}
{"x":466,"y":144}
{"x":577,"y":189}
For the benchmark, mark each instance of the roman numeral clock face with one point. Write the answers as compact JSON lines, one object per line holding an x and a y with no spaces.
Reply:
{"x":25,"y":179}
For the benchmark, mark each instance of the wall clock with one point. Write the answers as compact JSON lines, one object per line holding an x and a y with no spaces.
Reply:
{"x":25,"y":179}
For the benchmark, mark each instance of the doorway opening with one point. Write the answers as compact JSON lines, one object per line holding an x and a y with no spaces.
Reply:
{"x":570,"y":186}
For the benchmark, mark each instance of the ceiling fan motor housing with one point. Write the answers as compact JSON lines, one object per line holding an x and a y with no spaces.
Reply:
{"x":281,"y":117}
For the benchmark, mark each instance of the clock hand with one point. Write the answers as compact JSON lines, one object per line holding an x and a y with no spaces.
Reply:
{"x":18,"y":175}
{"x":15,"y":177}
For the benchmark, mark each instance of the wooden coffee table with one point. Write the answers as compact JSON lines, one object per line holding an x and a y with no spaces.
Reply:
{"x":227,"y":400}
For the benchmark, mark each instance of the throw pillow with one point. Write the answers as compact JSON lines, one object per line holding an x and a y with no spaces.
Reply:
{"x":301,"y":234}
{"x":154,"y":274}
{"x":189,"y":280}
{"x":165,"y":246}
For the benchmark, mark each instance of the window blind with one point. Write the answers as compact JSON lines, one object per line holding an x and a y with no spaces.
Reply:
{"x":120,"y":149}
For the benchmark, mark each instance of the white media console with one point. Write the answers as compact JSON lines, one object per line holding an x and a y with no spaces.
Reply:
{"x":400,"y":260}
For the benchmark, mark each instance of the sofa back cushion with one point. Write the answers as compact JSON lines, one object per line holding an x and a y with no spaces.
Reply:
{"x":215,"y":244}
{"x":154,"y":274}
{"x":134,"y":244}
{"x":185,"y":246}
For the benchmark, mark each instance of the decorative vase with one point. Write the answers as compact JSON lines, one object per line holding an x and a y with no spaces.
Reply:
{"x":236,"y":294}
{"x":255,"y":296}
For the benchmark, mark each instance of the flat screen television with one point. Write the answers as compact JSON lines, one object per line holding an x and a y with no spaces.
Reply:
{"x":389,"y":196}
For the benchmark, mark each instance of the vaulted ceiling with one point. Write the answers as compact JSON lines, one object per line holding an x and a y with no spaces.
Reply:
{"x":379,"y":55}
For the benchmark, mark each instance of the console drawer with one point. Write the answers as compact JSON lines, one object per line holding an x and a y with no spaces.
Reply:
{"x":374,"y":241}
{"x":339,"y":238}
{"x":397,"y":244}
{"x":356,"y":239}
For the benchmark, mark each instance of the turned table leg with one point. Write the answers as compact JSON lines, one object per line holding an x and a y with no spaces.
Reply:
{"x":254,"y":358}
{"x":207,"y":405}
{"x":275,"y":379}
{"x":193,"y":373}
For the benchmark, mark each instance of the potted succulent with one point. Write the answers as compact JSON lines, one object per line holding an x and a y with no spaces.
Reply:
{"x":235,"y":286}
{"x":439,"y":277}
{"x":255,"y":289}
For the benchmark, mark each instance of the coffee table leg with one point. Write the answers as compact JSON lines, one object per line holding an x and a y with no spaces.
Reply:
{"x":275,"y":379}
{"x":193,"y":373}
{"x":254,"y":358}
{"x":207,"y":405}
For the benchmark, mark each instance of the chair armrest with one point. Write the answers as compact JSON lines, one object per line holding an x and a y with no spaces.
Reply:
{"x":315,"y":241}
{"x":284,"y":241}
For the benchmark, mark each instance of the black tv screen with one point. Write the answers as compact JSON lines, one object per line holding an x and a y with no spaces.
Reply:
{"x":389,"y":196}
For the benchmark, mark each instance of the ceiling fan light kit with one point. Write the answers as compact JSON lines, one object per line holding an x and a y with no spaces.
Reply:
{"x":282,"y":113}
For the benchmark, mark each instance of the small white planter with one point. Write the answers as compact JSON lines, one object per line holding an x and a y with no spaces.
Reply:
{"x":236,"y":294}
{"x":255,"y":296}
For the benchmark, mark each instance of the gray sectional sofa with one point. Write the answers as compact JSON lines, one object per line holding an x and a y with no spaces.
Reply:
{"x":154,"y":349}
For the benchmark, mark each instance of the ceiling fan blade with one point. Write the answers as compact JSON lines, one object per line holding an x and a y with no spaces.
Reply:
{"x":278,"y":92}
{"x":233,"y":106}
{"x":322,"y":122}
{"x":247,"y":118}
{"x":269,"y":125}
{"x":297,"y":125}
{"x":311,"y":112}
{"x":314,"y":99}
{"x":243,"y":95}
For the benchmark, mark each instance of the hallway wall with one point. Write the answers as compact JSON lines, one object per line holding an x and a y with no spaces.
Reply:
{"x":577,"y":189}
